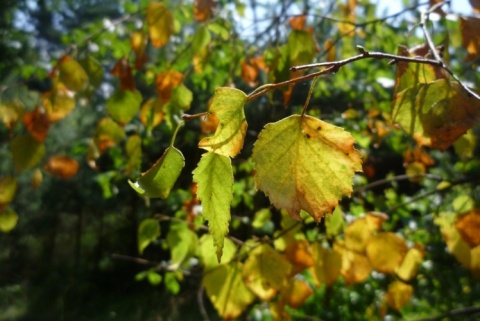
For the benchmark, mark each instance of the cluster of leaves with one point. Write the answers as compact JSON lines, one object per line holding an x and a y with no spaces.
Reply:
{"x":304,"y":165}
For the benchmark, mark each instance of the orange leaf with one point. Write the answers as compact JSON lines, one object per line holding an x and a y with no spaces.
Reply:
{"x":139,"y":42}
{"x":355,"y":267}
{"x":203,"y":9}
{"x":298,"y":22}
{"x":329,"y":47}
{"x":36,"y":121}
{"x":62,"y":166}
{"x":296,"y":293}
{"x":468,"y":225}
{"x":299,"y":254}
{"x":249,"y":74}
{"x":469,"y":27}
{"x":123,"y":71}
{"x":209,"y":123}
{"x":58,"y":102}
{"x":165,"y":82}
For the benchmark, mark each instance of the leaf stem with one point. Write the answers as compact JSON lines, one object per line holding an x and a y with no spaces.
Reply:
{"x":307,"y":102}
{"x":180,"y":125}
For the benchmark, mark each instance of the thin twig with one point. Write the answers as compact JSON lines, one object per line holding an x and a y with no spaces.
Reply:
{"x":454,"y":313}
{"x":394,"y":179}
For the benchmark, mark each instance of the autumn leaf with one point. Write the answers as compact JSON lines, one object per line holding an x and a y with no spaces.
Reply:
{"x":123,"y":105}
{"x":27,"y":152}
{"x":398,"y":294}
{"x":133,"y":150}
{"x":465,"y":145}
{"x":227,"y":104}
{"x":138,"y":41}
{"x":227,"y":291}
{"x":165,"y":82}
{"x":160,"y":178}
{"x":151,"y":113}
{"x":355,"y":266}
{"x":301,"y":47}
{"x":8,"y":188}
{"x":327,"y":266}
{"x":108,"y":134}
{"x":58,"y":103}
{"x":123,"y":72}
{"x":305,"y":163}
{"x":11,"y":112}
{"x":468,"y":225}
{"x":295,"y":293}
{"x":203,"y":9}
{"x":386,"y":251}
{"x":299,"y":254}
{"x":160,"y":23}
{"x":455,"y":243}
{"x":62,"y":166}
{"x":409,"y":267}
{"x":469,"y":27}
{"x":249,"y":73}
{"x":264,"y":271}
{"x":72,"y":74}
{"x":297,"y":22}
{"x":37,"y":178}
{"x":436,"y":114}
{"x":36,"y":122}
{"x":94,"y":70}
{"x":214,"y":176}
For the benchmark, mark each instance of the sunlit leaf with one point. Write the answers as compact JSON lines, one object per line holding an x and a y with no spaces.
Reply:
{"x":468,"y":225}
{"x":465,"y":145}
{"x":8,"y":219}
{"x":301,"y":47}
{"x":355,"y":266}
{"x":357,"y":235}
{"x":299,"y":254}
{"x":265,"y":271}
{"x":335,"y":223}
{"x":160,"y":178}
{"x":37,"y":178}
{"x":160,"y":23}
{"x":409,"y":267}
{"x":305,"y":163}
{"x":182,"y":243}
{"x":58,"y":102}
{"x":463,"y":203}
{"x":37,"y":123}
{"x":455,"y":243}
{"x":165,"y":82}
{"x":227,"y":291}
{"x":327,"y":266}
{"x":398,"y":294}
{"x":72,"y":74}
{"x":249,"y":73}
{"x":296,"y":293}
{"x":62,"y":166}
{"x":207,"y":253}
{"x":27,"y":152}
{"x":297,"y":22}
{"x":148,"y":231}
{"x":436,"y":114}
{"x":214,"y":176}
{"x":151,"y":113}
{"x":227,"y":104}
{"x":181,"y":97}
{"x":386,"y":251}
{"x":11,"y":112}
{"x":201,"y":39}
{"x":123,"y":105}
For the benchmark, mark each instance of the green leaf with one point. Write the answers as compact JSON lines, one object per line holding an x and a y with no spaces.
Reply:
{"x":171,"y":283}
{"x":93,"y":69}
{"x":72,"y":75}
{"x":305,"y":163}
{"x":201,"y":39}
{"x":148,"y":231}
{"x":227,"y":291}
{"x":214,"y":176}
{"x":133,"y":149}
{"x":220,"y":27}
{"x":463,"y":203}
{"x":123,"y":105}
{"x":154,"y":278}
{"x":301,"y":47}
{"x":160,"y":178}
{"x":8,"y":220}
{"x":335,"y":223}
{"x":8,"y":187}
{"x":465,"y":145}
{"x":26,"y":152}
{"x":227,"y":104}
{"x":182,"y":243}
{"x":436,"y":114}
{"x":264,"y":271}
{"x":182,"y":97}
{"x":207,"y":255}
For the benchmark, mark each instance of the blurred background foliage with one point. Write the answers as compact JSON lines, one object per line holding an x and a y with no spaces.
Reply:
{"x":74,"y":252}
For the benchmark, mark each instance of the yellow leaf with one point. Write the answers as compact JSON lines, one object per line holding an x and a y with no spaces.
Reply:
{"x":457,"y":246}
{"x":327,"y":266}
{"x":8,"y":187}
{"x":207,"y":252}
{"x":37,"y":178}
{"x":357,"y":235}
{"x":151,"y":113}
{"x":299,"y":253}
{"x":475,"y":260}
{"x":465,"y":145}
{"x":225,"y":288}
{"x":8,"y":219}
{"x":160,"y":23}
{"x":11,"y":112}
{"x":355,"y":267}
{"x":386,"y":251}
{"x":58,"y":102}
{"x":408,"y":269}
{"x":398,"y":294}
{"x":265,"y":271}
{"x":305,"y":163}
{"x":227,"y":104}
{"x":72,"y":74}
